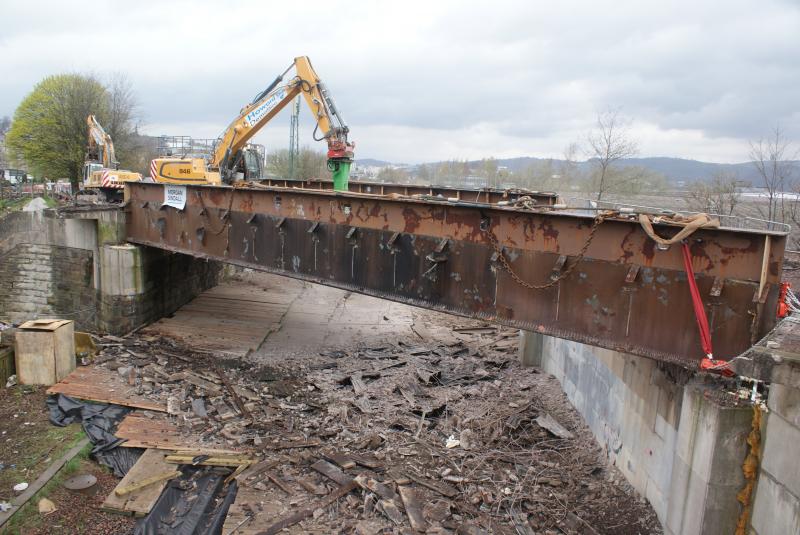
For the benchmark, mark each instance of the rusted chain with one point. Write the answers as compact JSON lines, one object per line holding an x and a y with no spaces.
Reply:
{"x":226,"y":215}
{"x":507,"y":267}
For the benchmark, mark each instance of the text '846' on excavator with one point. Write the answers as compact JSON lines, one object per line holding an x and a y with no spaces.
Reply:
{"x":227,"y":161}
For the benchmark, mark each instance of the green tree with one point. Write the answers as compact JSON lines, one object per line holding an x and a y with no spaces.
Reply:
{"x":49,"y":130}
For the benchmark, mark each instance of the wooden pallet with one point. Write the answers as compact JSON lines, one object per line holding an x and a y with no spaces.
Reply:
{"x":100,"y":384}
{"x":140,"y":502}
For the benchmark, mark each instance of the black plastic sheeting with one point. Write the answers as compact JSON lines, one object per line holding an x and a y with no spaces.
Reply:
{"x":99,"y":420}
{"x":194,"y":504}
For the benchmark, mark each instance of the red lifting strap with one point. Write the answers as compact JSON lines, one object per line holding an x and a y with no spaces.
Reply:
{"x":708,"y":363}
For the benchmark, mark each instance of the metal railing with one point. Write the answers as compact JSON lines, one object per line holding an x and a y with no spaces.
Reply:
{"x":589,"y":206}
{"x":185,"y":147}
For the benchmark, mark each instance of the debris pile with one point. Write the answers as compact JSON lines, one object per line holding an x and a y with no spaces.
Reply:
{"x":438,"y":437}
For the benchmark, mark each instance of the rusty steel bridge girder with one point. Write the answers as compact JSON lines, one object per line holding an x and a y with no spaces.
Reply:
{"x":626,"y":294}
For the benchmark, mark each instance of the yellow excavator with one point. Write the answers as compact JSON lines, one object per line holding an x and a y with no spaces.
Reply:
{"x":228,"y":164}
{"x":101,"y":169}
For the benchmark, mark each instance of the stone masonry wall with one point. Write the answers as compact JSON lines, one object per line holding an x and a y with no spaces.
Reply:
{"x":47,"y":281}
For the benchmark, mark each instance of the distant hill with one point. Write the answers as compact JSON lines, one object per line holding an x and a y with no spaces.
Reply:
{"x":369,"y":162}
{"x":675,"y":169}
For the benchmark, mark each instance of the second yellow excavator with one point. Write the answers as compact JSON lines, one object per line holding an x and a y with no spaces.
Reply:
{"x":101,"y":170}
{"x":228,"y":161}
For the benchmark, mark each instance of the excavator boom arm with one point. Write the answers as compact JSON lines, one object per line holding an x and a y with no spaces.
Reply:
{"x":272,"y":100}
{"x":99,"y":139}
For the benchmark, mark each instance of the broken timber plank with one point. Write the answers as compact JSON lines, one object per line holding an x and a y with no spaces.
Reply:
{"x":256,"y":469}
{"x":442,"y":488}
{"x":139,"y":501}
{"x":413,"y":508}
{"x":391,"y":511}
{"x":339,"y":458}
{"x":166,"y":476}
{"x":210,"y":461}
{"x":94,"y":383}
{"x":294,"y":445}
{"x":308,"y":511}
{"x":234,"y":395}
{"x":138,"y":431}
{"x":278,"y":482}
{"x":331,"y":472}
{"x":197,"y":381}
{"x":381,"y":489}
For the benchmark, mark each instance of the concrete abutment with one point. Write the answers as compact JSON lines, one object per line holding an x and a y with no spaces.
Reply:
{"x":677,"y":442}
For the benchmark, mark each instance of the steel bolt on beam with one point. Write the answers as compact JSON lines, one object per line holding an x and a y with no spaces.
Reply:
{"x":626,"y":294}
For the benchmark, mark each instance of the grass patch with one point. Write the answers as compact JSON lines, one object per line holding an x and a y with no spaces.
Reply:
{"x":28,"y":515}
{"x":52,"y":443}
{"x":14,"y":205}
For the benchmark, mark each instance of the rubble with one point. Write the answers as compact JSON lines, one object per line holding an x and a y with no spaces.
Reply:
{"x":445,"y":437}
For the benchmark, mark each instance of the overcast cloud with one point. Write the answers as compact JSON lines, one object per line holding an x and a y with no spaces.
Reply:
{"x":422,"y":81}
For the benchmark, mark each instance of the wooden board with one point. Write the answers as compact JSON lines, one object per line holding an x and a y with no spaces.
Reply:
{"x":230,"y":319}
{"x":140,"y":431}
{"x":100,"y":384}
{"x":140,"y":501}
{"x":267,"y":506}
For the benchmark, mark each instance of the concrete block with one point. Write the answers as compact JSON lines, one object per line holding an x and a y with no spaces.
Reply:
{"x":780,"y":458}
{"x":785,"y":401}
{"x":686,"y":501}
{"x":786,"y":373}
{"x":121,"y":270}
{"x":530,"y":348}
{"x":657,"y":498}
{"x":776,"y":511}
{"x":706,"y":476}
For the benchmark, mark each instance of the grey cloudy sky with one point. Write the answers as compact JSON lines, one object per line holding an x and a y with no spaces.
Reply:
{"x":431,"y":80}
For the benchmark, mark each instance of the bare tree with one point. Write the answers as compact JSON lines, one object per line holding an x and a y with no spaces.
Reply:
{"x":570,"y":171}
{"x":5,"y":124}
{"x":609,"y":143}
{"x":122,"y":120}
{"x":719,"y":196}
{"x":772,"y":159}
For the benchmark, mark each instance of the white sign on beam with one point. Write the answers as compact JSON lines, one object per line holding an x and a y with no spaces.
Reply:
{"x":175,"y":196}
